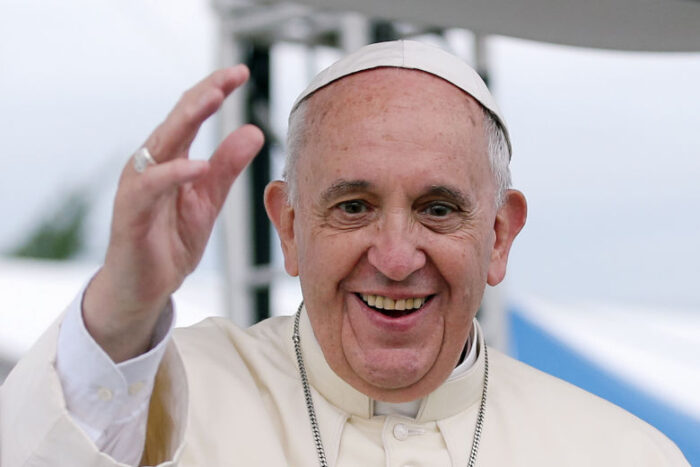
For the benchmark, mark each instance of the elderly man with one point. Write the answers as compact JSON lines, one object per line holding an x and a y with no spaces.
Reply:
{"x":395,"y":214}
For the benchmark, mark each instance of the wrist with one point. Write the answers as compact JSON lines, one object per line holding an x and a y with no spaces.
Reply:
{"x":123,"y":327}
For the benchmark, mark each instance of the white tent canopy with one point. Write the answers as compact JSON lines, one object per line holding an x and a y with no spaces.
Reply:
{"x":642,"y":25}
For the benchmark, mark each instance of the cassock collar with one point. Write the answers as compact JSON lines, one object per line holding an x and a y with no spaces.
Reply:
{"x":455,"y":395}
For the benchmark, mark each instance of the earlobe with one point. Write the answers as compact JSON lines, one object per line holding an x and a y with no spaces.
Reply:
{"x":510,"y":219}
{"x":281,"y":214}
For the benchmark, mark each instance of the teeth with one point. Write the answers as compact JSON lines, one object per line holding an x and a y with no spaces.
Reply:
{"x":386,"y":303}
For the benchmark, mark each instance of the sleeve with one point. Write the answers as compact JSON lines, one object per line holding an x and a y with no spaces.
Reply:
{"x":37,"y":429}
{"x":108,"y":401}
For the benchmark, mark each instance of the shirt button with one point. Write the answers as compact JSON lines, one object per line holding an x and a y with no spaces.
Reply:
{"x":400,"y":432}
{"x":135,"y":388}
{"x":104,"y":394}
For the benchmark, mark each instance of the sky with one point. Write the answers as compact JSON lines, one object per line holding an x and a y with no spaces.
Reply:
{"x":605,"y":145}
{"x":609,"y":162}
{"x":82,"y":83}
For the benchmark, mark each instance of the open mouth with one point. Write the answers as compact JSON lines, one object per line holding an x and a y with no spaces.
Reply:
{"x":394,"y":308}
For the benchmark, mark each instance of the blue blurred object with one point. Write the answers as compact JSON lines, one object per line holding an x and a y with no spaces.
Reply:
{"x":533,"y":345}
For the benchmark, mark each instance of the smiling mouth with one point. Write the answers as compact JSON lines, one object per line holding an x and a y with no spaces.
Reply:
{"x":394,"y":308}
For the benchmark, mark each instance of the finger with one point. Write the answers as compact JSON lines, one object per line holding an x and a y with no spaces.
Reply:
{"x":173,"y":137}
{"x":232,"y":156}
{"x":146,"y":189}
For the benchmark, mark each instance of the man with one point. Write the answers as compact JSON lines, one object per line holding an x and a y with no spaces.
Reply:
{"x":395,"y":214}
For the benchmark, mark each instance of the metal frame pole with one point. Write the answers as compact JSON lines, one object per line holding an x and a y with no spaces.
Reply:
{"x":236,"y":210}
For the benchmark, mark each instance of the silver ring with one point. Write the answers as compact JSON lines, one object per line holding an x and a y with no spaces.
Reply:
{"x":143,"y":159}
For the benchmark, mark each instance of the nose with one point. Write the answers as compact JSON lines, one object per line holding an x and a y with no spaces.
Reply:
{"x":394,"y":250}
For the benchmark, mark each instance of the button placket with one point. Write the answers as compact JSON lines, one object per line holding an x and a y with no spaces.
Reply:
{"x":402,"y":431}
{"x":407,"y":443}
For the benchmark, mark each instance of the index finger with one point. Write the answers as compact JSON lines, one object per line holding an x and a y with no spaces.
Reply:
{"x":172,"y":138}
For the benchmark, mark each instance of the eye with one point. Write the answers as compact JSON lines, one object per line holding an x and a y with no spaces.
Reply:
{"x":439,"y":209}
{"x":350,"y":214}
{"x":352,"y":207}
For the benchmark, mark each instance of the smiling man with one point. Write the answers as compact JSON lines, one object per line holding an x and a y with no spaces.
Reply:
{"x":396,"y":202}
{"x":395,"y":213}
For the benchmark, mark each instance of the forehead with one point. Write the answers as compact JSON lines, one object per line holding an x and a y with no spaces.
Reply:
{"x":408,"y":118}
{"x":375,"y":90}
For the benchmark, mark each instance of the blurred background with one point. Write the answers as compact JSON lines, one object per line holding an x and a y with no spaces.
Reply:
{"x":601,"y":102}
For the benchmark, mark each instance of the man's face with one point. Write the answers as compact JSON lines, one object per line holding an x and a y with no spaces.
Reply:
{"x":395,"y":205}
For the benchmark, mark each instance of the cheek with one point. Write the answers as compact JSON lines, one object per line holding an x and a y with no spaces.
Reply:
{"x":480,"y":246}
{"x":469,"y":253}
{"x":323,"y":257}
{"x":466,"y":267}
{"x":326,"y":261}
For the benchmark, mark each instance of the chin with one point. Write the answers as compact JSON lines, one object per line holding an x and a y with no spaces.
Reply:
{"x":395,"y":372}
{"x":394,"y":380}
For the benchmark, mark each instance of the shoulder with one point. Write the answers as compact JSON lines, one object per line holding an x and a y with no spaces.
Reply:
{"x":216,"y":328}
{"x":521,"y":383}
{"x":218,"y":342}
{"x":562,"y":411}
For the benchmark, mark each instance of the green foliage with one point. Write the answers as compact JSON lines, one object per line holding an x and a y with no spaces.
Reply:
{"x":60,"y":235}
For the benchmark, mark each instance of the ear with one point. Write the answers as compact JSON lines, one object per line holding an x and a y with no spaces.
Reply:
{"x":281,"y":213}
{"x":510,"y":219}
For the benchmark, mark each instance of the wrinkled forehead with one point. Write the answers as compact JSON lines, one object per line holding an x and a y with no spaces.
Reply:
{"x":387,"y":93}
{"x":397,"y":121}
{"x":414,"y":56}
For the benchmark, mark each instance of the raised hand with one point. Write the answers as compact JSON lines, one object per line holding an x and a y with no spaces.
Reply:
{"x":163,"y":218}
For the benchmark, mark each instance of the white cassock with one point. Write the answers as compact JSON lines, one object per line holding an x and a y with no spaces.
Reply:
{"x":224,"y":396}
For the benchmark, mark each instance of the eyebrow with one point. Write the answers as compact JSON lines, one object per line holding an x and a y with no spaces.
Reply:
{"x":450,"y":192}
{"x":343,"y":187}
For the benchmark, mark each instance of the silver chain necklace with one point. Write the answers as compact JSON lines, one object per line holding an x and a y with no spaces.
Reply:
{"x":312,"y":412}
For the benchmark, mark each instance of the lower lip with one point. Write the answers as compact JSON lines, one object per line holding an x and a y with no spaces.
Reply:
{"x":397,"y":324}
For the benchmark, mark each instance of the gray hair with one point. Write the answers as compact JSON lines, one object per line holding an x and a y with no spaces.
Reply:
{"x":499,"y":156}
{"x":498,"y":152}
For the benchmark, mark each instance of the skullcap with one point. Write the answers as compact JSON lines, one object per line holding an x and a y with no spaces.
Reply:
{"x":411,"y":55}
